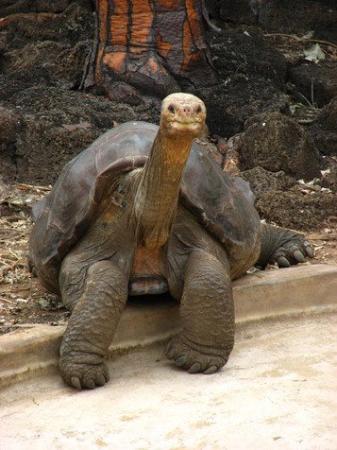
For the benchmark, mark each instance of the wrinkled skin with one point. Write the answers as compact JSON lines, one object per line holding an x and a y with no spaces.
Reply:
{"x":199,"y":276}
{"x":141,"y":236}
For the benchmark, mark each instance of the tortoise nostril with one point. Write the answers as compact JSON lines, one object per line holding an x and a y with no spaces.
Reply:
{"x":171,"y":108}
{"x":187,"y":110}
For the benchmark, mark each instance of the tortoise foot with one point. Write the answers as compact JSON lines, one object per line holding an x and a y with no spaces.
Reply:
{"x":195,"y":358}
{"x":83,"y":375}
{"x":293,"y":252}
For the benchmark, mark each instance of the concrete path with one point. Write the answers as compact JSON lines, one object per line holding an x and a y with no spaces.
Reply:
{"x":30,"y":350}
{"x":278,"y":391}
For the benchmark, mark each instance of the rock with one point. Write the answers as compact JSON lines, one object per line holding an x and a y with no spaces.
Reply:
{"x":124,"y":93}
{"x":245,"y":11}
{"x":48,"y":62}
{"x":247,"y":52}
{"x":324,"y":130}
{"x":27,"y":6}
{"x":262,"y":180}
{"x":329,"y":179}
{"x":276,"y":142}
{"x":317,"y":82}
{"x":57,"y":124}
{"x":287,"y":16}
{"x":49,"y":49}
{"x":251,"y":79}
{"x":231,"y":103}
{"x":329,"y":174}
{"x":294,"y":209}
{"x":10,"y":122}
{"x":4,"y":188}
{"x":282,"y":16}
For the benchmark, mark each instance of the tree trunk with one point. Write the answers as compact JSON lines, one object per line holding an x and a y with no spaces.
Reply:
{"x":150,"y":47}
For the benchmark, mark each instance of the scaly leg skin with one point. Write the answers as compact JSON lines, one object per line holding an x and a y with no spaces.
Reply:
{"x":92,"y":324}
{"x":207,"y":314}
{"x":282,"y":246}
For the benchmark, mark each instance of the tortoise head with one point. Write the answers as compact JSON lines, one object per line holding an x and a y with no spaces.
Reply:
{"x":183,"y":115}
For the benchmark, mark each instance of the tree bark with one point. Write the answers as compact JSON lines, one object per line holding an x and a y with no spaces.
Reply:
{"x":151,"y":47}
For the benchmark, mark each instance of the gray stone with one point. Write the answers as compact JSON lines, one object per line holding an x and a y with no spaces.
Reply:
{"x":317,"y":82}
{"x":277,"y":142}
{"x":324,"y":130}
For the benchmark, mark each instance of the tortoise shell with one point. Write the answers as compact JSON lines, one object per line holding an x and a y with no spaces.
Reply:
{"x":223,"y":204}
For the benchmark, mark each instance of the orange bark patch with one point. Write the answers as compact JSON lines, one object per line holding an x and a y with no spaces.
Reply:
{"x":133,"y":44}
{"x":29,"y":17}
{"x":193,"y":40}
{"x":103,"y":7}
{"x":195,"y":22}
{"x":187,"y":45}
{"x":115,"y":61}
{"x":169,"y":4}
{"x":119,"y":23}
{"x":153,"y":65}
{"x":163,"y":46}
{"x":142,"y":18}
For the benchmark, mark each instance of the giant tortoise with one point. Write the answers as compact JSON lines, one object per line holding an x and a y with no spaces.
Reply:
{"x":145,"y":210}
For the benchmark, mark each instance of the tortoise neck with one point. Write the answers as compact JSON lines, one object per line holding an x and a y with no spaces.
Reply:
{"x":158,"y":190}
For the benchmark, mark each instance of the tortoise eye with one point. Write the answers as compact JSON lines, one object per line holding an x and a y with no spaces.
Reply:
{"x":198,"y":109}
{"x":171,"y":108}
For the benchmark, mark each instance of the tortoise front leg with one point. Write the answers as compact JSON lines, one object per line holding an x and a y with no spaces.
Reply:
{"x":282,"y":246}
{"x":207,"y":314}
{"x":92,"y":324}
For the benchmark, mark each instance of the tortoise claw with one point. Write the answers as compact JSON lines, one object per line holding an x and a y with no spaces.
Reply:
{"x":298,"y":255}
{"x":195,"y":368}
{"x":181,"y":361}
{"x":283,"y":262}
{"x":101,"y":380}
{"x":170,"y":351}
{"x":75,"y":382}
{"x":309,"y":250}
{"x":89,"y":384}
{"x":211,"y":370}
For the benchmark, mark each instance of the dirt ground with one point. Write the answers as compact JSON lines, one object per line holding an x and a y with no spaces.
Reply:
{"x":22,"y":299}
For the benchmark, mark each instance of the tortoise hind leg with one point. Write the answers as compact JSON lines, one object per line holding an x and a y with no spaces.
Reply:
{"x":97,"y":298}
{"x":207,"y":314}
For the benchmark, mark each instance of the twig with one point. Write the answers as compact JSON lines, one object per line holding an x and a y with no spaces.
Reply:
{"x":322,"y":237}
{"x":23,"y":187}
{"x":6,"y":231}
{"x":302,"y":39}
{"x":312,"y":92}
{"x":38,"y":17}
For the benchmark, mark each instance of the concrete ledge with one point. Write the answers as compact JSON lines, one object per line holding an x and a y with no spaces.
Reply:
{"x":34,"y":349}
{"x":301,"y":289}
{"x":304,"y":288}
